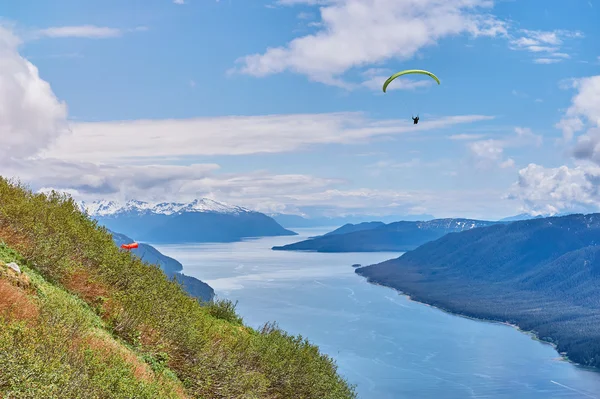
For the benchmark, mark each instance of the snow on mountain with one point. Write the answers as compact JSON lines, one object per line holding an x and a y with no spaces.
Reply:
{"x":110,"y":208}
{"x":453,"y":224}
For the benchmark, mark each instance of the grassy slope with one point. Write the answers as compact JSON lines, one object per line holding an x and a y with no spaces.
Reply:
{"x":108,"y":322}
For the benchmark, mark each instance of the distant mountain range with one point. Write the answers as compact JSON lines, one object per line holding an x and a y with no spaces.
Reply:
{"x":527,"y":216}
{"x":521,"y":216}
{"x":541,"y":274}
{"x":378,"y":236}
{"x":297,"y":221}
{"x":202,"y":220}
{"x":171,"y":267}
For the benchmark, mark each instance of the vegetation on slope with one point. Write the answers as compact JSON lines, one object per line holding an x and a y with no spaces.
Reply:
{"x":190,"y":349}
{"x":171,"y":267}
{"x":52,"y":345}
{"x":540,"y":274}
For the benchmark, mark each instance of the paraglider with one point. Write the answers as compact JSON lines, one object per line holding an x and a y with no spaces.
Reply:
{"x":409,"y":71}
{"x":394,"y":76}
{"x":129,"y":247}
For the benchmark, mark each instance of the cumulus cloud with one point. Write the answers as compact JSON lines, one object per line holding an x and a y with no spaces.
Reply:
{"x":31,"y":116}
{"x":553,"y":190}
{"x":234,"y":135}
{"x":546,"y":45}
{"x":585,"y":106}
{"x":490,"y":153}
{"x":359,"y":33}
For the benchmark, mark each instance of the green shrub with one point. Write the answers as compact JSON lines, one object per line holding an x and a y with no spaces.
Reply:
{"x":206,"y":346}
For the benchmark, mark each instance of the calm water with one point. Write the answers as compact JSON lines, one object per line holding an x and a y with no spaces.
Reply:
{"x":388,"y":346}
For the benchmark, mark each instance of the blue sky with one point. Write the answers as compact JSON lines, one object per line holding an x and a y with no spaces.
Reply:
{"x":277,"y":106}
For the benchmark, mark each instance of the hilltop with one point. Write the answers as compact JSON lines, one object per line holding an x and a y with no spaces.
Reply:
{"x":202,"y":220}
{"x":541,"y":274}
{"x":375,"y":236}
{"x":84,"y":319}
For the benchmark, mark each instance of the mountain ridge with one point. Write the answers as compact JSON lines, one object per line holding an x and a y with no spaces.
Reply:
{"x":393,"y":237}
{"x":110,"y":207}
{"x":201,"y":220}
{"x":542,"y":275}
{"x":297,"y":221}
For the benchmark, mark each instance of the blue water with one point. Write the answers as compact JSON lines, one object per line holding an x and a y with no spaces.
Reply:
{"x":387,"y":345}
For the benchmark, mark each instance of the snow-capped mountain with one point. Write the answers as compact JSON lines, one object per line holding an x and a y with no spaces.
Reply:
{"x":202,"y":220}
{"x":112,"y":208}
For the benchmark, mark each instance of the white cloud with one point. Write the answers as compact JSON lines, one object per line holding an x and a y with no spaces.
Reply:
{"x":466,"y":136}
{"x":553,"y":190}
{"x":546,"y":60}
{"x":490,"y":153}
{"x":358,"y":33}
{"x":84,"y":31}
{"x":509,"y":163}
{"x":585,"y":106}
{"x":305,"y":15}
{"x":179,"y":2}
{"x":259,"y":190}
{"x":234,"y":135}
{"x":90,"y":179}
{"x":90,"y":161}
{"x":31,"y":116}
{"x":487,"y":150}
{"x":548,"y":43}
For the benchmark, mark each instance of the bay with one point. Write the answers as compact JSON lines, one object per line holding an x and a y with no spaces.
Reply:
{"x":387,"y":345}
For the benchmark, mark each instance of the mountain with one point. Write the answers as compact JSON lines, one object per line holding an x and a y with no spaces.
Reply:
{"x":296,"y":221}
{"x":393,"y":237}
{"x":170,"y":266}
{"x":525,"y":216}
{"x":80,"y":318}
{"x":542,"y":275}
{"x":521,"y":216}
{"x":350,"y":228}
{"x":202,"y":220}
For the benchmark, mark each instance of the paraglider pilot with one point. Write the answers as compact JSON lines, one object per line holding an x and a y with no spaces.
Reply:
{"x":415,"y":120}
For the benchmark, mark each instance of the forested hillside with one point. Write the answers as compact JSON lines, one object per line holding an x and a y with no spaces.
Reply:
{"x":83,"y":319}
{"x":541,"y":274}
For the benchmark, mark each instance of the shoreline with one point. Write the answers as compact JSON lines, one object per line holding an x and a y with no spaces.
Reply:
{"x":562,"y":356}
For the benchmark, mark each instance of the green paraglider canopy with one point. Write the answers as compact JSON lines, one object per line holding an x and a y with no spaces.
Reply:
{"x":394,"y":76}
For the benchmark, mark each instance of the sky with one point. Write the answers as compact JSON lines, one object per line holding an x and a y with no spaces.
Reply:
{"x":276,"y":105}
